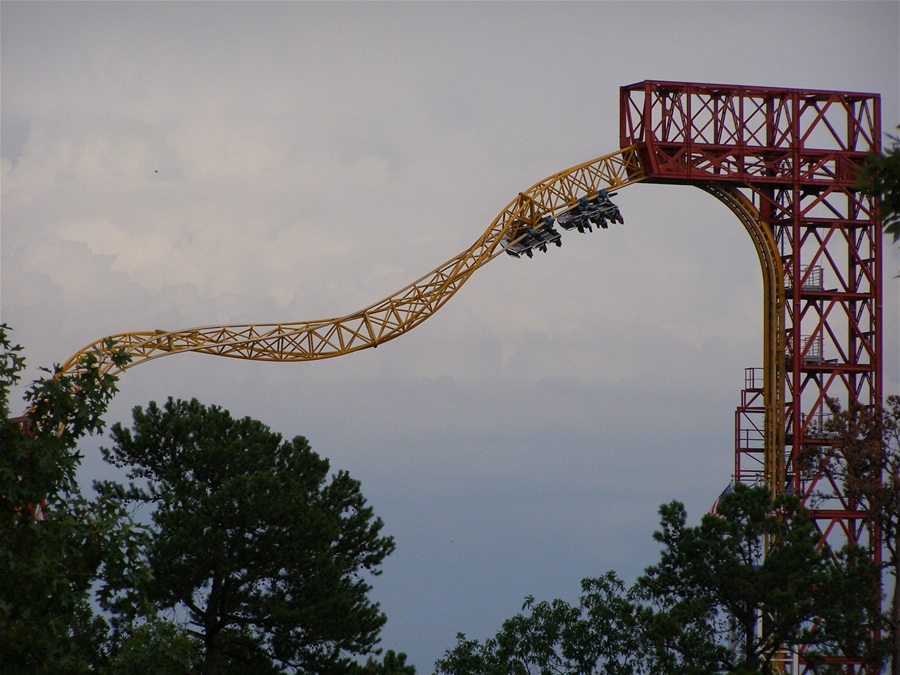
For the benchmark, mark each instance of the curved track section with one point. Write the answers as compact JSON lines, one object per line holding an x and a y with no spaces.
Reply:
{"x":773,"y":329}
{"x":391,"y":317}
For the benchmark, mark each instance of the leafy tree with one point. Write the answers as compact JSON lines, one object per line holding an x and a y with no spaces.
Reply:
{"x":595,"y":637}
{"x":155,"y":647}
{"x":713,"y":604}
{"x":263,"y":554}
{"x":864,"y":458}
{"x":879,"y":177}
{"x":730,"y":593}
{"x":53,"y":541}
{"x":393,"y":663}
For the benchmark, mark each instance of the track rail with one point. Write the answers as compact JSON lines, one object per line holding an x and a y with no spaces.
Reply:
{"x":386,"y":319}
{"x":413,"y":304}
{"x":773,"y":327}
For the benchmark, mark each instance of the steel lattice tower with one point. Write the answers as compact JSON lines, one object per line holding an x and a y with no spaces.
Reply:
{"x":793,"y":154}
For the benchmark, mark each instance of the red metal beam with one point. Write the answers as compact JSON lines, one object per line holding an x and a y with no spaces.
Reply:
{"x":794,"y":153}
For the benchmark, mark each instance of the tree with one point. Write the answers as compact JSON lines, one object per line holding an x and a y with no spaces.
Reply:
{"x":53,"y":541}
{"x":250,"y":540}
{"x":730,"y":594}
{"x":155,"y":648}
{"x":595,"y":637}
{"x":712,"y":604}
{"x":393,"y":663}
{"x":879,"y":177}
{"x":864,"y":457}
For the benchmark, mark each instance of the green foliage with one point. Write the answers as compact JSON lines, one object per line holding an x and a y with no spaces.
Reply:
{"x":864,"y":459}
{"x":156,"y":648}
{"x":879,"y":177}
{"x":712,"y":604}
{"x":393,"y":663}
{"x":597,"y":636}
{"x":53,"y":542}
{"x":716,"y":603}
{"x":265,"y":555}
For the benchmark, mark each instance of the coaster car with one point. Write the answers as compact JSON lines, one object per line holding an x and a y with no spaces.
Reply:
{"x":588,"y":212}
{"x":527,"y":238}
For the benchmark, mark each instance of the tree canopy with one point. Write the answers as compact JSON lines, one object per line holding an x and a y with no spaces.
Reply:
{"x":879,"y":177}
{"x":53,"y":541}
{"x":712,"y":604}
{"x":731,"y":594}
{"x":864,"y":458}
{"x":264,"y":554}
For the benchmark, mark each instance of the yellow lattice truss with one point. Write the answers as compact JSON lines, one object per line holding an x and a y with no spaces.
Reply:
{"x":410,"y":306}
{"x":384,"y":320}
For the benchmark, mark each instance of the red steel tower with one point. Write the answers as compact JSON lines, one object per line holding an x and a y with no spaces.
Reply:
{"x":792,"y":154}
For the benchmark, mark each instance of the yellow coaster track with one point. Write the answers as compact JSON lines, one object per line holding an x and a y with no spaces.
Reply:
{"x":527,"y":217}
{"x":389,"y":318}
{"x":773,"y":328}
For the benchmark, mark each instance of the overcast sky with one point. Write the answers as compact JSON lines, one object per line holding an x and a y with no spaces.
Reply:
{"x":169,"y":165}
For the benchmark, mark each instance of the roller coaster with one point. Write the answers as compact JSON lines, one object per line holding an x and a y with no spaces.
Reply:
{"x":525,"y":225}
{"x":784,"y":162}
